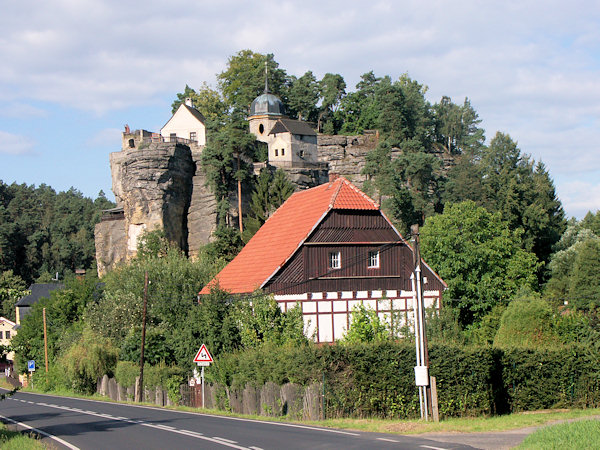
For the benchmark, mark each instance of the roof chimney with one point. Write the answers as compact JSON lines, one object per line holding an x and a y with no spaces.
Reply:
{"x":189,"y":102}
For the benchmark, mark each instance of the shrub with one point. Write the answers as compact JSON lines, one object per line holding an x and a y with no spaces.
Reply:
{"x":88,"y":360}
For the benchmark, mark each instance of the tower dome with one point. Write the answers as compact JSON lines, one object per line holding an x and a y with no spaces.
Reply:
{"x":267,"y":104}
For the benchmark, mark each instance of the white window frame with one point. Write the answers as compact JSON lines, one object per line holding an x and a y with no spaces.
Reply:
{"x":373,"y":262}
{"x":335,"y":260}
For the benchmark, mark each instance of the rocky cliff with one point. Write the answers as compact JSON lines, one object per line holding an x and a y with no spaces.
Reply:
{"x":161,"y":185}
{"x":346,"y":155}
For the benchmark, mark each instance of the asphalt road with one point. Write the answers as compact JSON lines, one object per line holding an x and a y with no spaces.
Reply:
{"x":89,"y":424}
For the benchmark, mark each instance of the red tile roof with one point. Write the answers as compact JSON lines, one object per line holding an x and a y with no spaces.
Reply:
{"x":283,"y":233}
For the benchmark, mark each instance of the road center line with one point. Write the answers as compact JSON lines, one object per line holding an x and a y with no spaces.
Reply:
{"x":240,"y":419}
{"x":387,"y":440}
{"x":167,"y":428}
{"x":433,"y":448}
{"x":43,"y":433}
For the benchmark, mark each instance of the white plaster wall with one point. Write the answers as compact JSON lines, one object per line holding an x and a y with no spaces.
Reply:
{"x":281,"y":141}
{"x":182,"y":124}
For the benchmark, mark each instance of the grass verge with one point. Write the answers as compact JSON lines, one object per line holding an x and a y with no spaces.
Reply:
{"x":13,"y":440}
{"x":582,"y":435}
{"x":461,"y":425}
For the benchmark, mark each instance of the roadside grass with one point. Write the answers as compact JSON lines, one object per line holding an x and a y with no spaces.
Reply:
{"x":460,"y":425}
{"x":584,"y":434}
{"x":13,"y":440}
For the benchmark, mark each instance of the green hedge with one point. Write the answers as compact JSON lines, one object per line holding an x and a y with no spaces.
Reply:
{"x":377,"y":379}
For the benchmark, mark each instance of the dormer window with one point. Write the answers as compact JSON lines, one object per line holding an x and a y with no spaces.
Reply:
{"x":335,"y":260}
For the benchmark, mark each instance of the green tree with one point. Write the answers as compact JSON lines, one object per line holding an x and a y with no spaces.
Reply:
{"x":269,"y":193}
{"x":479,"y":257}
{"x":366,"y":327}
{"x":303,"y":95}
{"x":456,"y":127}
{"x":244,"y":79}
{"x":219,"y":161}
{"x":261,"y":321}
{"x":527,"y":322}
{"x":584,"y":284}
{"x":12,"y":288}
{"x":208,"y":101}
{"x":332,"y":89}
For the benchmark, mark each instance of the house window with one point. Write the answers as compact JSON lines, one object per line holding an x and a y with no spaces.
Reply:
{"x":193,"y":136}
{"x":7,"y":334}
{"x":1,"y":334}
{"x":261,"y":128}
{"x":373,"y":260}
{"x":301,"y":154}
{"x":335,"y":260}
{"x":276,"y":152}
{"x":173,"y":137}
{"x":282,"y":152}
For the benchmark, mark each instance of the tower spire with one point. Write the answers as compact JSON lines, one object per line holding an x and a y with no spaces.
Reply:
{"x":266,"y":77}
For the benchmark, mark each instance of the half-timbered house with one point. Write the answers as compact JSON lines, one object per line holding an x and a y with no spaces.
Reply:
{"x":329,"y":249}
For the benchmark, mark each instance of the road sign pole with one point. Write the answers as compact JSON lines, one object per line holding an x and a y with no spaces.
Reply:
{"x":202,"y":378}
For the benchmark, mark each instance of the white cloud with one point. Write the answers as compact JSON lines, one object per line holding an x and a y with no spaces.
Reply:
{"x":22,"y":111}
{"x":529,"y":71}
{"x":13,"y":144}
{"x":581,"y":196}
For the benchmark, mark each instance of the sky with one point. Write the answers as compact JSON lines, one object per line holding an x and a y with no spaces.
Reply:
{"x":74,"y":72}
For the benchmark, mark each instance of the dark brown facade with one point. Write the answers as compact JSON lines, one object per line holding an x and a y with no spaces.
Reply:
{"x":353,"y":237}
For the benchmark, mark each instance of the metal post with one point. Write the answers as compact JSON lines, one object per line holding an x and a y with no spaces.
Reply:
{"x":202,"y":378}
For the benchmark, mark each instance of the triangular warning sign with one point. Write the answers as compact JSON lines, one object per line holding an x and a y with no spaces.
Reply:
{"x":203,"y":355}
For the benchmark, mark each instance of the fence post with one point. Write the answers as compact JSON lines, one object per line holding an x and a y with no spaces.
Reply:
{"x":434,"y":400}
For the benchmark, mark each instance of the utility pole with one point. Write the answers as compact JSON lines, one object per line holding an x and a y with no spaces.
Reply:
{"x":141,"y":385}
{"x":239,"y":186}
{"x":45,"y":339}
{"x":422,"y":366}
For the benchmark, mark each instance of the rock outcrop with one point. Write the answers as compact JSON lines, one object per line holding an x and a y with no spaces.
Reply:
{"x":153,"y":185}
{"x":161,"y":185}
{"x":202,"y":213}
{"x":346,"y":155}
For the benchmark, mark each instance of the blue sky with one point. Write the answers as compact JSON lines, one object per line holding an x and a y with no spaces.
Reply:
{"x":74,"y":72}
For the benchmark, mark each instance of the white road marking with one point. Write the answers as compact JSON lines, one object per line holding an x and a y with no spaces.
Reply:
{"x":387,"y":440}
{"x":43,"y":433}
{"x":433,"y":448}
{"x":255,"y":448}
{"x":226,"y":440}
{"x":221,"y":441}
{"x":165,"y":427}
{"x":240,"y":419}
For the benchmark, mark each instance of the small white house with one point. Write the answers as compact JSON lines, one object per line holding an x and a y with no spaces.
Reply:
{"x":8,"y":330}
{"x":186,"y":124}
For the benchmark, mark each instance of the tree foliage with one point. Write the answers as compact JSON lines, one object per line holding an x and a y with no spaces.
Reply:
{"x":42,"y":231}
{"x":478,"y":256}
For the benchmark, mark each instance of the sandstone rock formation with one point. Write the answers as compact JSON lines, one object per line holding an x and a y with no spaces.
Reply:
{"x":347,"y":155}
{"x":162,"y":185}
